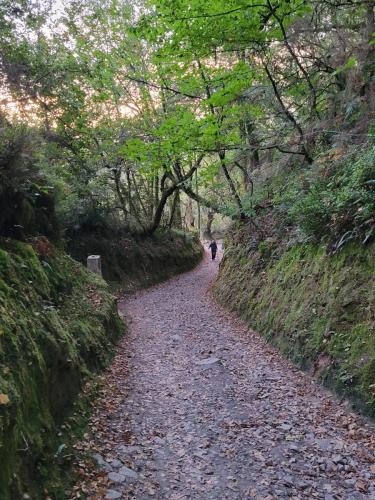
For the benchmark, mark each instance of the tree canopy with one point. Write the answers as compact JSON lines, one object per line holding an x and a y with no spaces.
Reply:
{"x":137,"y":104}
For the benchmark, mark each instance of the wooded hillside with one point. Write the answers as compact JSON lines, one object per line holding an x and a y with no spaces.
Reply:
{"x":121,"y":112}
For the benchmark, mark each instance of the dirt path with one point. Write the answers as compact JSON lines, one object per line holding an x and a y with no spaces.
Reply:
{"x":198,"y":407}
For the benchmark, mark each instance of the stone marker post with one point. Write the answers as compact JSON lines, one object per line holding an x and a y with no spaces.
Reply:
{"x":94,"y":264}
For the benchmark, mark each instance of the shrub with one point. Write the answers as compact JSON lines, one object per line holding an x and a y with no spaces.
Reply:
{"x":339,"y":204}
{"x":311,"y":212}
{"x":26,"y":203}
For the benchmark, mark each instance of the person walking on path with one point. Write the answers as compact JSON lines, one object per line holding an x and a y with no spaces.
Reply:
{"x":213,"y":247}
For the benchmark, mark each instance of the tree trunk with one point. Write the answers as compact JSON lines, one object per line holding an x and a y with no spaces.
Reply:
{"x":189,"y":215}
{"x":160,"y":209}
{"x":208,"y":229}
{"x":120,"y":196}
{"x":231,"y":185}
{"x":166,"y":192}
{"x":175,"y":219}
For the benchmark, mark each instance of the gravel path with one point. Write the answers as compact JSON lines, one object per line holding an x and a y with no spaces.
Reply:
{"x":196,"y":406}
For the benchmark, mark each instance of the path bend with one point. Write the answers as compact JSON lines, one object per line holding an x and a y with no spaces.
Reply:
{"x":196,"y":406}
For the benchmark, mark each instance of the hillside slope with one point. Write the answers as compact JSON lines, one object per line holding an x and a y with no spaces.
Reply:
{"x":316,"y":307}
{"x":136,"y":263}
{"x":59,"y":324}
{"x":301,"y":271}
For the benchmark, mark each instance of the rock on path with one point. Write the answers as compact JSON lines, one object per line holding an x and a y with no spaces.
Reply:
{"x":196,"y":406}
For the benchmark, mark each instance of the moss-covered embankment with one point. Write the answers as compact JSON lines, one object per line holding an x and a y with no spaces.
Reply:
{"x":317,"y":308}
{"x":58,"y":325}
{"x":138,"y":262}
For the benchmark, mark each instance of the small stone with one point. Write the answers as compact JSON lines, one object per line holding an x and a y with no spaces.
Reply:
{"x":159,"y":440}
{"x":116,"y":477}
{"x":99,"y":459}
{"x":294,"y":447}
{"x":101,"y":462}
{"x":330,"y":466}
{"x":207,"y":361}
{"x":113,"y":494}
{"x":338,"y":459}
{"x":302,"y":484}
{"x":287,"y":480}
{"x":286,"y":427}
{"x":116,"y":463}
{"x":125,"y":471}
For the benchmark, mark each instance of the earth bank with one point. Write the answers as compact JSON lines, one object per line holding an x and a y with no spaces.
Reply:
{"x":316,"y":307}
{"x":59,"y":326}
{"x":135,"y":263}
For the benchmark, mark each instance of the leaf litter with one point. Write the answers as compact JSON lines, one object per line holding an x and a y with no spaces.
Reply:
{"x":197,"y":406}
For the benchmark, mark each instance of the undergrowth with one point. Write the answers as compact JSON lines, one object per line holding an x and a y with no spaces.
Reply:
{"x":334,"y":200}
{"x":301,"y":273}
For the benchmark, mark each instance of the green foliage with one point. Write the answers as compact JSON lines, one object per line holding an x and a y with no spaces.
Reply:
{"x":178,"y":84}
{"x":340,"y":200}
{"x":312,"y":211}
{"x":26,"y":199}
{"x":350,"y":63}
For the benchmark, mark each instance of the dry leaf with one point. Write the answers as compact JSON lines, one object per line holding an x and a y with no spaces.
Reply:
{"x":4,"y":400}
